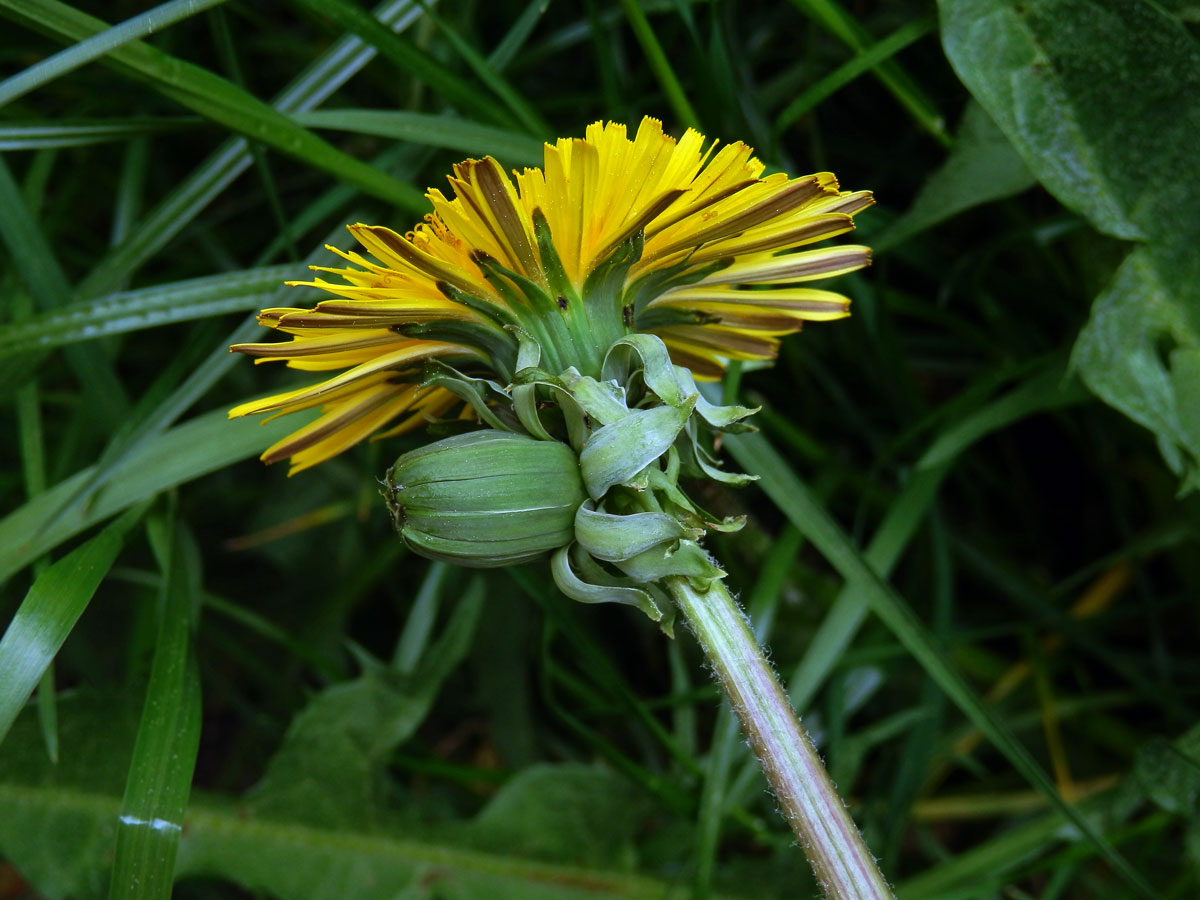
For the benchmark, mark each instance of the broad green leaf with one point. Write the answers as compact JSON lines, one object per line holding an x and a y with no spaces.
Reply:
{"x":57,"y":825}
{"x":1191,"y":846}
{"x":74,"y":803}
{"x":149,"y":22}
{"x":583,"y":815}
{"x":334,"y":751}
{"x":144,"y":308}
{"x":1168,"y":772}
{"x":1083,"y":119}
{"x":49,"y":612}
{"x":215,"y":98}
{"x":1113,"y":137}
{"x":322,"y":794}
{"x":298,"y":862}
{"x":1140,"y":350}
{"x":433,"y":131}
{"x":188,"y":451}
{"x":982,"y":167}
{"x":168,"y":736}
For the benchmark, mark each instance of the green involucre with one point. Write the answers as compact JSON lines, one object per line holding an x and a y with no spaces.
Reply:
{"x":487,"y":498}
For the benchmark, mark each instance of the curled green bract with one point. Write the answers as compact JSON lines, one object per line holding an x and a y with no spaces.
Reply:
{"x":612,"y":537}
{"x":617,"y":453}
{"x":587,"y":468}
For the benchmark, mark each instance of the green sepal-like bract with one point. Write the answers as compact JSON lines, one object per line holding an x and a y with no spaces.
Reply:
{"x":603,"y":401}
{"x":671,"y":383}
{"x":658,"y":372}
{"x":723,"y":418}
{"x":687,"y":559}
{"x":708,"y":464}
{"x":495,"y":342}
{"x":529,"y":354}
{"x":487,"y":398}
{"x":600,"y":587}
{"x":619,"y":451}
{"x":615,"y":537}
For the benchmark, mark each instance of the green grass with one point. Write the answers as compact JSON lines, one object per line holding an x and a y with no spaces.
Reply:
{"x":972,"y":551}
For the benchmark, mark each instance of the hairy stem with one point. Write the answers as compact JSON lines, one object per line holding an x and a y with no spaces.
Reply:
{"x":842,"y":863}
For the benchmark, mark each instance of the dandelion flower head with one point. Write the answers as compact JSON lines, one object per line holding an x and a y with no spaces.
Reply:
{"x":613,"y":235}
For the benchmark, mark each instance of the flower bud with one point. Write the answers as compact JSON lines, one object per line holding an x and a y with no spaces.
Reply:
{"x":487,"y":498}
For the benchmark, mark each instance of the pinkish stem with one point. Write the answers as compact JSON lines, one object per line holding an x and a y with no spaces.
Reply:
{"x":843,"y":865}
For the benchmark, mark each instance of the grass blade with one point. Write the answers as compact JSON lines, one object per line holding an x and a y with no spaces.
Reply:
{"x":846,"y":28}
{"x":397,"y":50}
{"x":49,"y":612}
{"x":863,"y":61}
{"x":38,"y":135}
{"x":418,"y":627}
{"x":149,"y":22}
{"x":168,"y":737}
{"x":215,"y":98}
{"x":193,"y":194}
{"x":40,"y":271}
{"x":512,"y":42}
{"x":33,"y":467}
{"x":795,"y":499}
{"x":145,"y":308}
{"x":141,"y":428}
{"x":521,"y":108}
{"x":984,"y":867}
{"x":657,"y":58}
{"x":28,"y":248}
{"x":1041,"y":392}
{"x":227,"y":50}
{"x":433,"y":131}
{"x":199,"y":446}
{"x":289,"y":859}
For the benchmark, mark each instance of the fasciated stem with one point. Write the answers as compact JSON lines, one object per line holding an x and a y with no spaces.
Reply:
{"x":840,"y":859}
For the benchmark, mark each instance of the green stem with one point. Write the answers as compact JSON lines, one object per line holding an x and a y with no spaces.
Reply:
{"x":841,"y":861}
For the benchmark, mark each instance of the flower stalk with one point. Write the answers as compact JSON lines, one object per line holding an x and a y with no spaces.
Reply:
{"x":840,"y":859}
